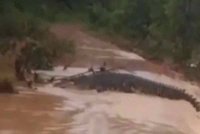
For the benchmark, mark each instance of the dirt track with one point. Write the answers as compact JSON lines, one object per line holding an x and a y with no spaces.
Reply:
{"x":93,"y":51}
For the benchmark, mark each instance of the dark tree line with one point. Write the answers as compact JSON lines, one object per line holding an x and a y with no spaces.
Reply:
{"x":165,"y":29}
{"x":169,"y":23}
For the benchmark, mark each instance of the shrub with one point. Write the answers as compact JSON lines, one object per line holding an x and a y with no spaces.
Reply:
{"x":43,"y":53}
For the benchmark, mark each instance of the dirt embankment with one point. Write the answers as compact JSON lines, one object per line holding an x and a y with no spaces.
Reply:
{"x":93,"y":51}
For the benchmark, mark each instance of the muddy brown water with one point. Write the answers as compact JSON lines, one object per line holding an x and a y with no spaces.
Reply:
{"x":32,"y":113}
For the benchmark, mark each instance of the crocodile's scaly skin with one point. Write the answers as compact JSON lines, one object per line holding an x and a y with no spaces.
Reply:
{"x":103,"y":81}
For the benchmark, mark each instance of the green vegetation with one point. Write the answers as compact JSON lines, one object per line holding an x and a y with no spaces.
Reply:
{"x":25,"y":40}
{"x":160,"y":25}
{"x":165,"y":30}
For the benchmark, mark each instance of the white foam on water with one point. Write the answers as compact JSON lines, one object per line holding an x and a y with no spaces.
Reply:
{"x":128,"y":55}
{"x":58,"y":71}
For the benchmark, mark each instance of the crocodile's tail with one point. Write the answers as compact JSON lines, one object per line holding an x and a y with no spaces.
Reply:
{"x":166,"y":91}
{"x":180,"y":94}
{"x":193,"y":101}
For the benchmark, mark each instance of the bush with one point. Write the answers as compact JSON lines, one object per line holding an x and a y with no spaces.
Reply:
{"x":42,"y":54}
{"x":22,"y":29}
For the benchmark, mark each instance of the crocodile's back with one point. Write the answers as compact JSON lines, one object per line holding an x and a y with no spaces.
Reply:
{"x":103,"y":81}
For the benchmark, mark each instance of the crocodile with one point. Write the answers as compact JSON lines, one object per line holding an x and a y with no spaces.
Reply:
{"x":130,"y":83}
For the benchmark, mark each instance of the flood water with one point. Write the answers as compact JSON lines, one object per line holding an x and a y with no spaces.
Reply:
{"x":32,"y":113}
